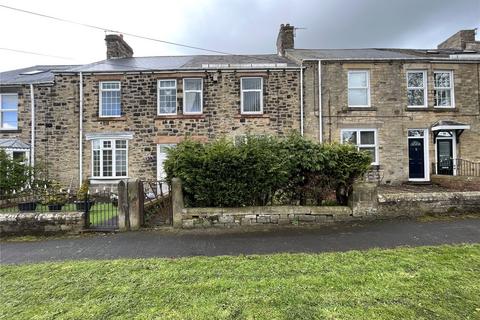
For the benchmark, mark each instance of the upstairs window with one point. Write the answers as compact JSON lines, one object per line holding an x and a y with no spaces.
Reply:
{"x":8,"y":111}
{"x":417,"y":89}
{"x":192,"y":96}
{"x":358,"y":89}
{"x":364,"y":139}
{"x":167,"y":97}
{"x":443,"y":89}
{"x":110,"y":99}
{"x":251,"y":95}
{"x":109,"y":158}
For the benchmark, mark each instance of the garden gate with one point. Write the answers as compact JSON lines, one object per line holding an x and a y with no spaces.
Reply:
{"x":157,"y":204}
{"x":101,"y":211}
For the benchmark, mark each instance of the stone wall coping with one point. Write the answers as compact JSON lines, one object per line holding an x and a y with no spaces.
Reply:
{"x":267,"y":210}
{"x":14,"y":217}
{"x":427,"y":196}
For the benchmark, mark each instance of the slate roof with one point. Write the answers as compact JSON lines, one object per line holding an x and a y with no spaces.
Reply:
{"x":198,"y":62}
{"x":13,"y":144}
{"x":21,"y":76}
{"x":376,"y":54}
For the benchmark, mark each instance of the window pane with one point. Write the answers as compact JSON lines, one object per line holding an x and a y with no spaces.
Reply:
{"x":96,"y":144}
{"x":164,"y":147}
{"x":442,"y":97}
{"x":416,"y":97}
{"x":442,"y":79}
{"x":193,"y":84}
{"x":107,"y":144}
{"x":121,"y":163}
{"x":110,"y":85}
{"x":357,"y":97}
{"x":10,"y":102}
{"x":357,"y":79}
{"x":251,"y":101}
{"x":192,"y":102}
{"x":251,"y":83}
{"x":168,"y":100}
{"x":167,"y":84}
{"x":96,"y":163}
{"x":9,"y":120}
{"x":415,"y":79}
{"x":370,"y":150}
{"x":19,"y":156}
{"x":416,"y":133}
{"x":121,"y":144}
{"x":367,"y":137}
{"x":107,"y":163}
{"x":111,"y":105}
{"x":349,"y":137}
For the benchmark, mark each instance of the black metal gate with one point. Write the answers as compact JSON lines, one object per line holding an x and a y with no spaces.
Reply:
{"x":157,"y":204}
{"x":101,"y":211}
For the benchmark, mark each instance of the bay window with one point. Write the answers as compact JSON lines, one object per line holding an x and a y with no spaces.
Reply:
{"x":364,"y":140}
{"x":109,"y":158}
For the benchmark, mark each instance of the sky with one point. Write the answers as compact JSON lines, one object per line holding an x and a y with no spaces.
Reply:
{"x":234,"y":26}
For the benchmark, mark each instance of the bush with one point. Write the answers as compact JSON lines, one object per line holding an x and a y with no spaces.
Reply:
{"x":14,"y":175}
{"x":264,"y":170}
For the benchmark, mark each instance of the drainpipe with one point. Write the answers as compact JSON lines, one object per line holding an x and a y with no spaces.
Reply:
{"x":32,"y":143}
{"x":80,"y":142}
{"x":301,"y":99}
{"x":320,"y":122}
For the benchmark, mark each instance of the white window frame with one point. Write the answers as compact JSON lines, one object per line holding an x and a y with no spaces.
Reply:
{"x":114,"y":162}
{"x":185,"y":95}
{"x":452,"y":92}
{"x":358,"y":145}
{"x":100,"y":105}
{"x":367,"y":87}
{"x":7,"y":110}
{"x":158,"y":96}
{"x":242,"y":111}
{"x":10,"y":151}
{"x":425,"y":89}
{"x":426,"y":154}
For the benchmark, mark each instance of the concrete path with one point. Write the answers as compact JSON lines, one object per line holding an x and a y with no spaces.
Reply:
{"x":169,"y":243}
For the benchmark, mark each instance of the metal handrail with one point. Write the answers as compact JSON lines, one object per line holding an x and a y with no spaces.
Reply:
{"x":460,"y":167}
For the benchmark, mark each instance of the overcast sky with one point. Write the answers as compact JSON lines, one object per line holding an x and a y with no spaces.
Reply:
{"x":238,"y":26}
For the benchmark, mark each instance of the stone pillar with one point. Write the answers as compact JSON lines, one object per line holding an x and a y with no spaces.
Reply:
{"x":135,"y":203}
{"x":123,"y":219}
{"x":364,"y":199}
{"x":177,"y":202}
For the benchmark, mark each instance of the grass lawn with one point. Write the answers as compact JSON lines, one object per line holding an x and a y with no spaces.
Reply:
{"x":409,"y":283}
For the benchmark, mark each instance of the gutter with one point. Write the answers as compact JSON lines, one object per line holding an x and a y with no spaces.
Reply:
{"x":32,"y":143}
{"x":80,"y":142}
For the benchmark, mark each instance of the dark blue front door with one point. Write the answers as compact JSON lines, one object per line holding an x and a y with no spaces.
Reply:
{"x":416,"y":159}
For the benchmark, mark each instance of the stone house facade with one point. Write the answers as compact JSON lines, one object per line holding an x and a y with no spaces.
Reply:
{"x":115,"y":118}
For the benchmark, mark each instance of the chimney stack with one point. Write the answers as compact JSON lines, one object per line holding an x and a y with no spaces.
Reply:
{"x":460,"y":40}
{"x":285,"y":39}
{"x":117,"y":47}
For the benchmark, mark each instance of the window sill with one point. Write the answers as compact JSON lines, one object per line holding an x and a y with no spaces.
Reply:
{"x":180,"y":116}
{"x":251,"y":116}
{"x":122,"y":118}
{"x":445,"y":109}
{"x":10,"y":130}
{"x":361,"y":109}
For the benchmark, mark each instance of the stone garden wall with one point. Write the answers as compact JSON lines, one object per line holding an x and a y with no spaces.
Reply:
{"x":41,"y":222}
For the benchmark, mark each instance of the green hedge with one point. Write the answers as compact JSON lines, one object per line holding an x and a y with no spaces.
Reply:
{"x":264,"y":170}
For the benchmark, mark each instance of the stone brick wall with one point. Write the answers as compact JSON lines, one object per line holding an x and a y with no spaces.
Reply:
{"x":221,"y":113}
{"x":457,"y":182}
{"x":388,"y":113}
{"x":41,"y":223}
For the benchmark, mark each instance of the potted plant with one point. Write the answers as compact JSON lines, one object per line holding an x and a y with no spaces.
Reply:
{"x":27,"y":200}
{"x":54,"y":198}
{"x":83,"y":202}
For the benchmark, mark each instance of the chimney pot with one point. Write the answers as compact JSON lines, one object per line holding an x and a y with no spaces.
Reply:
{"x":285,"y":39}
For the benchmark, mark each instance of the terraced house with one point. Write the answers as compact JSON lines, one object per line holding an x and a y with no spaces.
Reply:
{"x":415,"y":110}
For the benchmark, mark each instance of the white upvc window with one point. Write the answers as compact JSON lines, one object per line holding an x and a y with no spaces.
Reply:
{"x":110,"y":99}
{"x":20,"y":155}
{"x":443,"y":89}
{"x":364,"y":139}
{"x":8,"y":111}
{"x":251,"y":98}
{"x":167,"y":97}
{"x":359,"y":88}
{"x":109,"y":158}
{"x":417,"y":89}
{"x":192,"y":95}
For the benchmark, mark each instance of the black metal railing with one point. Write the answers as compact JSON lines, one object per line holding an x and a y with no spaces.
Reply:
{"x":458,"y":167}
{"x":157,"y":205}
{"x":101,"y":210}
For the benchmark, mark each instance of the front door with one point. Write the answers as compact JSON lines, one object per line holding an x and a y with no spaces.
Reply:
{"x":445,"y":156}
{"x":416,"y":157}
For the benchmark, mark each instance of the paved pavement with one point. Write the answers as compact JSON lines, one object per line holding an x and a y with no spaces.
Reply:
{"x":169,"y":243}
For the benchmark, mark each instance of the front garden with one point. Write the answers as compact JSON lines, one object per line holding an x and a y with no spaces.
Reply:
{"x":405,"y":283}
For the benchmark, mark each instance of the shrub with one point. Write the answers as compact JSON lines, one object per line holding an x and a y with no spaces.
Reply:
{"x":264,"y":170}
{"x":14,"y":175}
